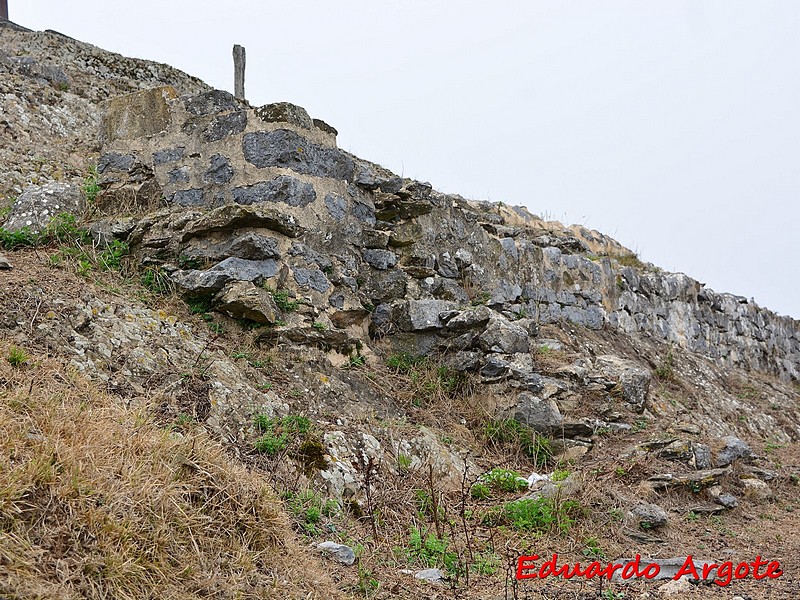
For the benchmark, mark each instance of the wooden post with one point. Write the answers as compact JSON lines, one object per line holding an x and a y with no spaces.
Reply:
{"x":3,"y":10}
{"x":238,"y":70}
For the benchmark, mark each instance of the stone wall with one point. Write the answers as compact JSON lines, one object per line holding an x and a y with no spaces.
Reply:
{"x":265,"y":195}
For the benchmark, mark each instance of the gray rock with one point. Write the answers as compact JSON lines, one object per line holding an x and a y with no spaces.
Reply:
{"x":385,"y":286}
{"x":694,"y":481}
{"x":231,"y":217}
{"x":311,"y":256}
{"x":634,"y":380}
{"x":649,"y":516}
{"x":504,"y":292}
{"x":4,"y":264}
{"x":446,"y":265}
{"x":188,"y":197}
{"x":323,"y":126}
{"x":194,"y":282}
{"x":702,"y":456}
{"x":336,"y":205}
{"x":105,"y":231}
{"x":380,"y":259}
{"x":756,"y":490}
{"x":541,"y":415}
{"x":367,"y":178}
{"x":435,"y":576}
{"x":423,"y":315}
{"x":504,"y":337}
{"x":681,"y":450}
{"x":250,"y":245}
{"x":343,"y":554}
{"x":37,"y":205}
{"x":210,"y":103}
{"x":225,"y":125}
{"x":219,"y":171}
{"x":178,"y":175}
{"x":285,"y":189}
{"x":447,"y":289}
{"x":170,"y":155}
{"x":284,"y":148}
{"x":244,"y":300}
{"x":464,"y":361}
{"x":285,"y":112}
{"x":733,"y":450}
{"x":727,"y":500}
{"x":113,"y":161}
{"x":494,"y":368}
{"x":313,"y":278}
{"x":374,"y":238}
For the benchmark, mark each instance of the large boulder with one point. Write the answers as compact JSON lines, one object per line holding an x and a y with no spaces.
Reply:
{"x":37,"y":206}
{"x":538,"y":414}
{"x":200,"y":283}
{"x":633,"y":380}
{"x":140,"y":114}
{"x":504,"y":337}
{"x":244,"y":300}
{"x":423,"y":315}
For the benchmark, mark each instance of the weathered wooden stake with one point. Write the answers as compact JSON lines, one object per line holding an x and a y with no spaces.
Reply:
{"x":3,"y":10}
{"x":238,"y":70}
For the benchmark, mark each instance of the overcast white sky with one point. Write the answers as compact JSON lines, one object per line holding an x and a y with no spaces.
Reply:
{"x":672,"y":125}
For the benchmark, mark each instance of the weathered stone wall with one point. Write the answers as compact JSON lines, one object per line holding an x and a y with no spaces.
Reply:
{"x":265,"y":195}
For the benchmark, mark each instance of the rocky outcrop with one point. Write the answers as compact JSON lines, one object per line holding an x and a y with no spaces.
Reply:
{"x":414,"y":258}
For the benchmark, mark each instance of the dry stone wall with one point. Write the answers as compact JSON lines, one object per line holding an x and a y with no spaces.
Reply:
{"x":265,"y":196}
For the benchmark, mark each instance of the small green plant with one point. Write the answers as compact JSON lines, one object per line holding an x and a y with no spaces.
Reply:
{"x":404,"y":463}
{"x":559,"y":475}
{"x":630,"y":260}
{"x":430,"y":550}
{"x":534,"y":514}
{"x":771,"y":446}
{"x":620,"y":472}
{"x":111,"y":257}
{"x":609,"y":594}
{"x":593,"y":549}
{"x":91,"y":187}
{"x":319,"y":326}
{"x":17,"y":357}
{"x":309,"y":508}
{"x":692,"y":516}
{"x":404,"y":362}
{"x":640,"y":424}
{"x":282,"y":301}
{"x":427,"y":505}
{"x":157,"y":281}
{"x":10,"y":240}
{"x":510,"y":433}
{"x":505,"y":480}
{"x":480,"y":491}
{"x":189,"y":262}
{"x":355,"y":361}
{"x":278,"y":433}
{"x":200,"y":306}
{"x":666,"y":370}
{"x":486,"y":563}
{"x":481,"y":298}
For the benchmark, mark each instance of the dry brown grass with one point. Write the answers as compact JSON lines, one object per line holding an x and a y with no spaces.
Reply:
{"x":100,"y":502}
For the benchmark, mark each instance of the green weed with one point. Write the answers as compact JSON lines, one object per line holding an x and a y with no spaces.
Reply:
{"x":17,"y":357}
